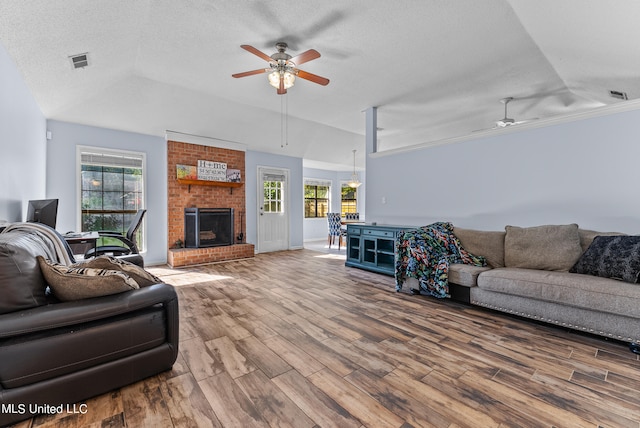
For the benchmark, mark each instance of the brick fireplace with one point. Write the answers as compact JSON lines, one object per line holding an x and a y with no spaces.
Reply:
{"x":181,"y":196}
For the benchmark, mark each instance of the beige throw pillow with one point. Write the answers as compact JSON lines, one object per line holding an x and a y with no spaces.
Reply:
{"x":549,"y":247}
{"x":141,"y":276}
{"x":73,"y":283}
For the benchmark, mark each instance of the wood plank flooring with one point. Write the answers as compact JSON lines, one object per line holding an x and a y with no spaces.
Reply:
{"x":297,"y":339}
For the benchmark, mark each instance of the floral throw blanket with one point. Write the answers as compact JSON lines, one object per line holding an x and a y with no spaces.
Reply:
{"x":426,"y":253}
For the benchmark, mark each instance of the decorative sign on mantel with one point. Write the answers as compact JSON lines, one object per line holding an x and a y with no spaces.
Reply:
{"x":212,"y":171}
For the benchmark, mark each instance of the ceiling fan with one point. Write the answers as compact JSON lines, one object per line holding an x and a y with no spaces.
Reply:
{"x":507,"y":121}
{"x":283,"y":67}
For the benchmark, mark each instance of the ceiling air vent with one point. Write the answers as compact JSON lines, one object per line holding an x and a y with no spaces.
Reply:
{"x":619,"y":95}
{"x":80,"y":61}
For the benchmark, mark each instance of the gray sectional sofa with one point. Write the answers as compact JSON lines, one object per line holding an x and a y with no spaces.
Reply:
{"x":533,"y":273}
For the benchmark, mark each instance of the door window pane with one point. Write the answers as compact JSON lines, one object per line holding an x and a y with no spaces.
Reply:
{"x":273,"y":191}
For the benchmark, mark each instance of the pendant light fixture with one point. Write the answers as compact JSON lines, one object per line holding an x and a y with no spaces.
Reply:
{"x":354,"y":182}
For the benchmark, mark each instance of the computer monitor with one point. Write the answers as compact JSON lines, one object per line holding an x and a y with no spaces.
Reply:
{"x":43,"y":211}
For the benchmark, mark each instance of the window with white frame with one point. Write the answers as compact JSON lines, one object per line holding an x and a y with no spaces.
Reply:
{"x":348,"y":199}
{"x":112,"y":190}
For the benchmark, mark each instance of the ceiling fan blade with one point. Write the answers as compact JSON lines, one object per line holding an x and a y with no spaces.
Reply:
{"x":255,"y":51}
{"x":305,"y":57}
{"x":313,"y":77}
{"x":518,"y":122}
{"x":485,"y":129}
{"x":251,"y":73}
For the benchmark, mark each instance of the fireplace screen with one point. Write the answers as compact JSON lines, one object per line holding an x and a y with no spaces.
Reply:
{"x":208,"y":227}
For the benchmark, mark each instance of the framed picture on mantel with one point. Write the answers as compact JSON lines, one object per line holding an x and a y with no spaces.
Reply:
{"x":187,"y":172}
{"x":234,"y":175}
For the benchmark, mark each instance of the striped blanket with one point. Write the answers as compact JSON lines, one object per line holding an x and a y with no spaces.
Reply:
{"x":57,"y":248}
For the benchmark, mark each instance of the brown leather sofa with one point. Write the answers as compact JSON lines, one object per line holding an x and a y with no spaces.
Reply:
{"x":54,"y":354}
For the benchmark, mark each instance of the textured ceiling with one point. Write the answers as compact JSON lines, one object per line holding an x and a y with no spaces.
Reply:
{"x":435,"y":69}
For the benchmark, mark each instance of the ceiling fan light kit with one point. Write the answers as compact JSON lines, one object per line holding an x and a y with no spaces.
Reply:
{"x":287,"y":77}
{"x":282,"y":71}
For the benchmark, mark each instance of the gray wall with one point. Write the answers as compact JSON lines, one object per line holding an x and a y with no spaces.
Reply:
{"x":583,"y":172}
{"x":63,"y":184}
{"x":23,"y":144}
{"x":252,"y":161}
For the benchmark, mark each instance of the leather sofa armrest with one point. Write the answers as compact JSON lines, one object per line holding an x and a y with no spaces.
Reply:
{"x":65,"y":314}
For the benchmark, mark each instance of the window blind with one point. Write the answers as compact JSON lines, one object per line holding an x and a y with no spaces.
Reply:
{"x":111,"y":159}
{"x":317,"y":182}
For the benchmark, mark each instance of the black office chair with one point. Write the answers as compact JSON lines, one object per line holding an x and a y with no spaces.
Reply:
{"x":129,"y":240}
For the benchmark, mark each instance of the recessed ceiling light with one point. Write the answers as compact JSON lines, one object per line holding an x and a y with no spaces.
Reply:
{"x":80,"y":60}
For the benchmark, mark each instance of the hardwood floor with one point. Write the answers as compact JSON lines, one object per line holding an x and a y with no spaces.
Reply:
{"x":297,"y":339}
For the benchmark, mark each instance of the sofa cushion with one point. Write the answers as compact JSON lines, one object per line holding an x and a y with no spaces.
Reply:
{"x":549,"y":247}
{"x":75,"y":283}
{"x":587,"y":236}
{"x":22,"y":285}
{"x":466,"y":275}
{"x":139,"y":275}
{"x":490,"y":245}
{"x":572,"y":289}
{"x":616,"y":257}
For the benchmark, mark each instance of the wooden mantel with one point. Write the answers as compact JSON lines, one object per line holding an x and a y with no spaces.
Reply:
{"x":230,"y":184}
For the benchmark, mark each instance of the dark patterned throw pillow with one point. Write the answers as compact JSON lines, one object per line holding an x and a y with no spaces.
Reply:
{"x":616,"y":257}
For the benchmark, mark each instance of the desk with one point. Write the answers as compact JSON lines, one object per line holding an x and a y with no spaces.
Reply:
{"x":80,"y":243}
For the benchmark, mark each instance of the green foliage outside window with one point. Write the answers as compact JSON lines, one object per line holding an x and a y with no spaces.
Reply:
{"x":111,"y":196}
{"x":316,"y":201}
{"x":349,"y":200}
{"x":272,"y":202}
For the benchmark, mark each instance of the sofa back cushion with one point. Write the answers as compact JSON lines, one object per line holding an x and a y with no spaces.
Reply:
{"x":587,"y":236}
{"x":489,"y":244}
{"x":22,"y":285}
{"x":548,"y":247}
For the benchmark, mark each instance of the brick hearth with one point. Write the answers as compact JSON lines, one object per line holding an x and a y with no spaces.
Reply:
{"x":191,"y":256}
{"x":181,"y":196}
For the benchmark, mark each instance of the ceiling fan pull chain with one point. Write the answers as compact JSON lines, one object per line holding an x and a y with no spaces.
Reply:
{"x":284,"y":121}
{"x":281,"y":122}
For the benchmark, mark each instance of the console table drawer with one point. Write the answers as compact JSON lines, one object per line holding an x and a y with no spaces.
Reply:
{"x":381,"y":233}
{"x":354,"y":230}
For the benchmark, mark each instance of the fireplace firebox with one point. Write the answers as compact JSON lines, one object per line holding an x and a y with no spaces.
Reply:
{"x":208,"y":227}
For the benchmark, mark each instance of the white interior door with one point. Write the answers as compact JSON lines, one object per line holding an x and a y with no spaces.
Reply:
{"x":273,"y":210}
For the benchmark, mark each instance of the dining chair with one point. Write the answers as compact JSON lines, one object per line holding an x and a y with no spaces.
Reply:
{"x":335,"y":228}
